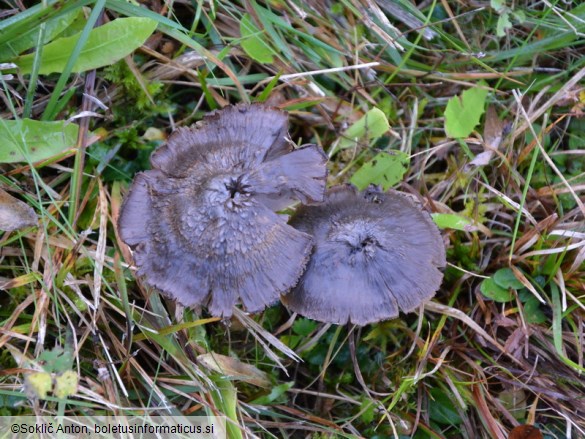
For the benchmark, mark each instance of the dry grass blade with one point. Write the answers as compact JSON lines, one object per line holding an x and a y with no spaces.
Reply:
{"x":264,"y":338}
{"x":460,"y":315}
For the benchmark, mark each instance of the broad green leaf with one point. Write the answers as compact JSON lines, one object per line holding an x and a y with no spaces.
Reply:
{"x":532,"y":312}
{"x":451,"y":221}
{"x":503,"y":25}
{"x":371,"y":126}
{"x":34,"y":140}
{"x":304,"y":326}
{"x":493,"y":291}
{"x":276,"y":37}
{"x":252,"y":43}
{"x":442,"y":408}
{"x":519,"y":16}
{"x":56,"y":360}
{"x":463,"y":112}
{"x":498,"y":5}
{"x":105,"y":45}
{"x":28,"y":40}
{"x":505,"y":278}
{"x":385,"y":169}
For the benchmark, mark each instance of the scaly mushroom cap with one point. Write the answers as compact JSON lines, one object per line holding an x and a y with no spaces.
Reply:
{"x":202,"y":222}
{"x":374,"y":254}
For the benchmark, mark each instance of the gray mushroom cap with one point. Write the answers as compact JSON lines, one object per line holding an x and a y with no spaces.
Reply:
{"x":374,"y":254}
{"x":202,"y":222}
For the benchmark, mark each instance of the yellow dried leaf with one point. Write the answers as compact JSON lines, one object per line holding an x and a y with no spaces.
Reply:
{"x":15,"y":214}
{"x":234,"y":368}
{"x":66,"y":384}
{"x":39,"y":383}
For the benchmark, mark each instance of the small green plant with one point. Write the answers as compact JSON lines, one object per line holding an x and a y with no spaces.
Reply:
{"x":506,"y":13}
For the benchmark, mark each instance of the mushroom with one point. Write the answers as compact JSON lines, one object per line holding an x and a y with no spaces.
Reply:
{"x":202,"y":224}
{"x":375,"y":253}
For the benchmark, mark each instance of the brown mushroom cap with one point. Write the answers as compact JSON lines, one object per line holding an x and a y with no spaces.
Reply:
{"x":201,"y":222}
{"x":375,"y":253}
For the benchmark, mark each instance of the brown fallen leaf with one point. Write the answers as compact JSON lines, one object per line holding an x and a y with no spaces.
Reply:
{"x":494,"y":129}
{"x":525,"y":432}
{"x":234,"y":368}
{"x":493,"y":133}
{"x":15,"y":214}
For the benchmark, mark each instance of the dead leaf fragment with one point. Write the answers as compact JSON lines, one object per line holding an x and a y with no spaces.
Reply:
{"x":493,"y":130}
{"x":66,"y":384}
{"x":525,"y":432}
{"x":493,"y":133}
{"x":38,"y":384}
{"x":15,"y":214}
{"x":234,"y":368}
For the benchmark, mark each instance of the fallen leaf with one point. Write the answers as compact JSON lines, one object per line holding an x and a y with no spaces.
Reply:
{"x":31,"y":141}
{"x":15,"y":214}
{"x":234,"y":368}
{"x":39,"y":384}
{"x":385,"y":169}
{"x":463,"y":112}
{"x":482,"y":159}
{"x":493,"y":133}
{"x":493,"y":130}
{"x":371,"y":126}
{"x":66,"y":384}
{"x":525,"y":432}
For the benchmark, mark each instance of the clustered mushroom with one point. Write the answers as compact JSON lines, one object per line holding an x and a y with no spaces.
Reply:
{"x":374,"y":253}
{"x":204,"y":231}
{"x":202,"y":222}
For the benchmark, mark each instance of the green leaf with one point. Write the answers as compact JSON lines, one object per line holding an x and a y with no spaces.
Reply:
{"x":505,"y":278}
{"x":275,"y":395}
{"x":442,"y":409}
{"x":56,"y":360}
{"x":26,"y":139}
{"x":367,"y":410}
{"x":385,"y":169}
{"x":503,"y":24}
{"x":251,"y":42}
{"x":304,"y":326}
{"x":105,"y":45}
{"x":532,"y":311}
{"x":451,"y":221}
{"x":371,"y":126}
{"x":498,"y":5}
{"x":515,"y":400}
{"x":463,"y":112}
{"x":519,"y":16}
{"x":28,"y":40}
{"x":226,"y":399}
{"x":493,"y":291}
